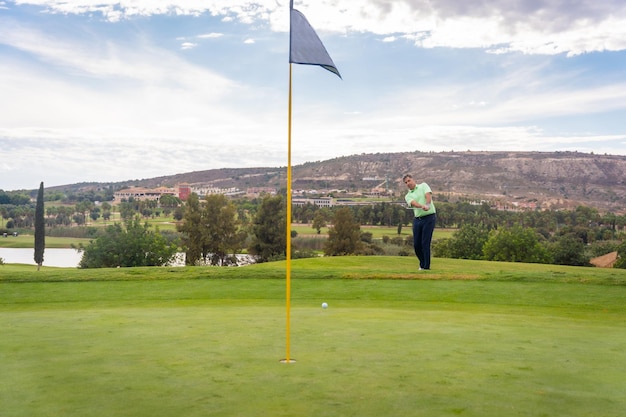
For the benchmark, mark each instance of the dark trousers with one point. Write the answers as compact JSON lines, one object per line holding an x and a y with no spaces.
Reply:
{"x":423,"y":228}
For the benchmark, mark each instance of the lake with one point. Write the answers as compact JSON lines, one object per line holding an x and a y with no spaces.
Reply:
{"x":64,"y":258}
{"x":69,"y":258}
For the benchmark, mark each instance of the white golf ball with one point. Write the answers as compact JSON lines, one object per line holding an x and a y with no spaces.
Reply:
{"x":324,"y":305}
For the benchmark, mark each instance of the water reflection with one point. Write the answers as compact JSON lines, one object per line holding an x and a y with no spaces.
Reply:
{"x":70,"y":258}
{"x":64,"y":258}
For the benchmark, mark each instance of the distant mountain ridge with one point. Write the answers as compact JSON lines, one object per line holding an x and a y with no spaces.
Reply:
{"x":551,"y":179}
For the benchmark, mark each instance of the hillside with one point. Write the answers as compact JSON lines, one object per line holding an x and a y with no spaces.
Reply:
{"x":549,"y":179}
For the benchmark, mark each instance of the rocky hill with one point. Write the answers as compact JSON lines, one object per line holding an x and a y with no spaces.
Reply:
{"x":548,"y":179}
{"x":552,"y":180}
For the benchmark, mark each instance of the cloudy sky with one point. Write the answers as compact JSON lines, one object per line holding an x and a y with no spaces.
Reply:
{"x":99,"y":90}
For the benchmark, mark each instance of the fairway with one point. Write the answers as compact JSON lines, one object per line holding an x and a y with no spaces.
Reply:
{"x":384,"y":347}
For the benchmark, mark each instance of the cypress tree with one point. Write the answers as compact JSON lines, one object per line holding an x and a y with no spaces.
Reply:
{"x":40,"y":232}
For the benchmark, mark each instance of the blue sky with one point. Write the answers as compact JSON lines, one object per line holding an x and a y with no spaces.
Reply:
{"x":92,"y":90}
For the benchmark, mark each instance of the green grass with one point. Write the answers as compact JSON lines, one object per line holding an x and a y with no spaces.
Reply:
{"x":377,"y":231}
{"x":469,"y":338}
{"x":345,"y":267}
{"x":168,"y":224}
{"x":163,"y":223}
{"x":28,"y":241}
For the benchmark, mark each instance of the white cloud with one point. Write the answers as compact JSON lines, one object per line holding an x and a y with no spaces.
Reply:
{"x":108,"y":91}
{"x":114,"y":10}
{"x":67,"y":160}
{"x":538,"y":27}
{"x":360,"y":136}
{"x":98,"y":106}
{"x":515,"y":96}
{"x":188,"y":45}
{"x":104,"y":58}
{"x":210,"y":35}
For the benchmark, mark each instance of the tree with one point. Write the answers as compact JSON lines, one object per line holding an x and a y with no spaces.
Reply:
{"x":127,"y":210}
{"x":128,"y":246}
{"x":468,"y":242}
{"x":106,"y":211}
{"x":40,"y":228}
{"x":94,"y":214}
{"x":192,"y":235}
{"x":515,"y":244}
{"x":269,"y":241}
{"x":344,"y":237}
{"x":319,"y":220}
{"x":179,"y":213}
{"x":169,"y":201}
{"x":222,"y":235}
{"x":569,"y":250}
{"x":621,"y":256}
{"x":82,"y":209}
{"x":211,"y":233}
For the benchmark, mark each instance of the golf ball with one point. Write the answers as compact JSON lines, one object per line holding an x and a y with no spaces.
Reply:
{"x":324,"y":305}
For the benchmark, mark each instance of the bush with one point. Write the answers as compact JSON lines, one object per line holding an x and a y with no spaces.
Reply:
{"x":75,"y":232}
{"x":308,"y":243}
{"x":371,"y":250}
{"x":440,"y":248}
{"x":621,"y":256}
{"x":133,"y":245}
{"x":569,"y":250}
{"x":602,"y":248}
{"x":300,"y":254}
{"x":171,"y":237}
{"x":468,"y":242}
{"x":515,"y":244}
{"x":366,"y":237}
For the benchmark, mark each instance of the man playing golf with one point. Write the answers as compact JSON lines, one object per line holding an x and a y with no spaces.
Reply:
{"x":420,"y":198}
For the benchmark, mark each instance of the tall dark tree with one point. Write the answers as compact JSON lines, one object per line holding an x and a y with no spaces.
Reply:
{"x":319,"y":220}
{"x":211,"y":232}
{"x":344,"y":237}
{"x":192,"y":231}
{"x":269,"y":241}
{"x":222,"y":236}
{"x":40,"y":228}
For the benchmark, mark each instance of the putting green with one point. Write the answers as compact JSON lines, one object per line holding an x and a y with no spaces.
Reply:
{"x":382,"y":348}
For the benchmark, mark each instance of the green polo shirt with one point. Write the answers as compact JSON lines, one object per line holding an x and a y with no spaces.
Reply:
{"x":419,"y":194}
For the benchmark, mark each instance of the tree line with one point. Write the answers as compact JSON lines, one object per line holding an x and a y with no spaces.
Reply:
{"x":212,"y":231}
{"x":22,"y":215}
{"x":214,"y":228}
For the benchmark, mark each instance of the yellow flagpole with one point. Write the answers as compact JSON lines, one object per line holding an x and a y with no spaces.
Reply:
{"x":288,"y":232}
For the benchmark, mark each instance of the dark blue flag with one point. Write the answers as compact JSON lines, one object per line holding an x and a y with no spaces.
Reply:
{"x":305,"y":47}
